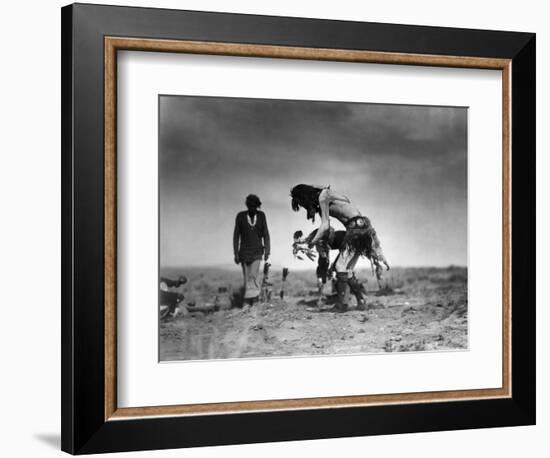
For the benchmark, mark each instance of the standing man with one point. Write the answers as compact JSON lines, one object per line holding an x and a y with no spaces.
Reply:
{"x":250,"y":244}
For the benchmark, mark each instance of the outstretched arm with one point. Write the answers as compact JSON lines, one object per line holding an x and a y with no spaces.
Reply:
{"x":324,"y":228}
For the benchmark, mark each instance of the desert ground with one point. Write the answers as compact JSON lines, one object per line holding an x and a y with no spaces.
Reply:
{"x":419,"y":309}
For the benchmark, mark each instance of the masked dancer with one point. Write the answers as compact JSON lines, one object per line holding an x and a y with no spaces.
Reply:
{"x":360,"y":238}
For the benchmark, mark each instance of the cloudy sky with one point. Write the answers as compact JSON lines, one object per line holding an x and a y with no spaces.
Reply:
{"x":405,"y":167}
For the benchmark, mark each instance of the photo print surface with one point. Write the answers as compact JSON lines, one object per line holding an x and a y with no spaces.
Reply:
{"x":310,"y":228}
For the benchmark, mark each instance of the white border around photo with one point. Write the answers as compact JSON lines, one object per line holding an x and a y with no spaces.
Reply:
{"x":143,"y":76}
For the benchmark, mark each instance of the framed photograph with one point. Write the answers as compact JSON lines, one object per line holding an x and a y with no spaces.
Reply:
{"x":281,"y":229}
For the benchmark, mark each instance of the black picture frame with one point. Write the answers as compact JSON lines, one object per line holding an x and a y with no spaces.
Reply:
{"x":84,"y":428}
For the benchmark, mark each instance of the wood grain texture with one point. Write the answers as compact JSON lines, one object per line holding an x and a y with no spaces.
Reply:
{"x":507,"y":228}
{"x":110,"y":197}
{"x":112,"y":45}
{"x":128,"y":413}
{"x":288,"y":52}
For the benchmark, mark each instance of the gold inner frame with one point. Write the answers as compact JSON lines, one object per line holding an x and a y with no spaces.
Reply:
{"x":114,"y":44}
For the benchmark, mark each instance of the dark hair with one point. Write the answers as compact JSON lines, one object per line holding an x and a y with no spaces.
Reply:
{"x":253,"y":200}
{"x":307,"y":197}
{"x":297,"y":235}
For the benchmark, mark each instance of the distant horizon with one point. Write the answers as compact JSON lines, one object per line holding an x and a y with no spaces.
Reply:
{"x":312,"y":267}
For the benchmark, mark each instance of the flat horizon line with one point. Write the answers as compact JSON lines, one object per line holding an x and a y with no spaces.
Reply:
{"x":280,"y":266}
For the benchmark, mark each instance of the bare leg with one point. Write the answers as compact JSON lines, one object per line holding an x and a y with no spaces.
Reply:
{"x":320,"y":286}
{"x":352,"y":263}
{"x":344,"y":265}
{"x":323,"y":264}
{"x":357,"y":290}
{"x":346,"y":259}
{"x":354,"y":285}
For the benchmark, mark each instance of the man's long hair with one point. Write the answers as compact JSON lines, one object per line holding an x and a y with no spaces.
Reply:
{"x":307,"y":197}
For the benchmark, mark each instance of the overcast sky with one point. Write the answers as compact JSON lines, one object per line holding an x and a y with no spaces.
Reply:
{"x":405,"y":167}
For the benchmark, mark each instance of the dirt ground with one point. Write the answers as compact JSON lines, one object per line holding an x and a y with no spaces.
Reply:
{"x":421,"y":309}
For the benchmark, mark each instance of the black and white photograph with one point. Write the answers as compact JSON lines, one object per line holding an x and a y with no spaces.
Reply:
{"x":307,"y":228}
{"x":263,"y":229}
